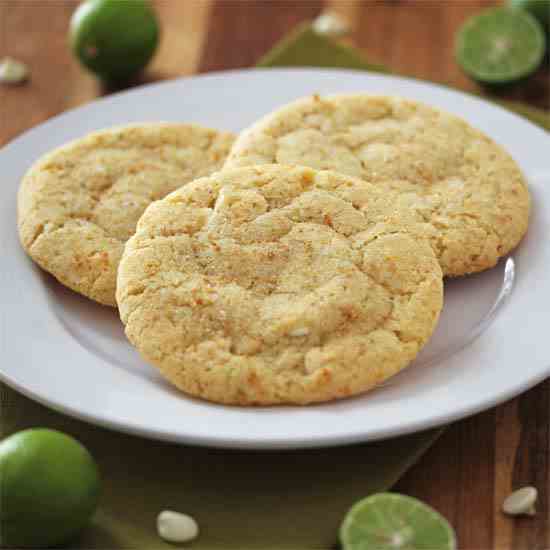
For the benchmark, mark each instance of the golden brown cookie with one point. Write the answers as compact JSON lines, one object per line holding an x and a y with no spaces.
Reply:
{"x":276,"y":284}
{"x":467,"y":191}
{"x":79,"y":204}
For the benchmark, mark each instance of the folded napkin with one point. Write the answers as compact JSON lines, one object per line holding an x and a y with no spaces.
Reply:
{"x":306,"y":48}
{"x":242,"y":500}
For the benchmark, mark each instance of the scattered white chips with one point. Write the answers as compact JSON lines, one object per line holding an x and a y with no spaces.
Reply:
{"x":330,"y":24}
{"x":521,"y":502}
{"x":176,"y":527}
{"x":13,"y":71}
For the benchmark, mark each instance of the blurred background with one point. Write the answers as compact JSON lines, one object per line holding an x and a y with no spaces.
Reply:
{"x":412,"y":37}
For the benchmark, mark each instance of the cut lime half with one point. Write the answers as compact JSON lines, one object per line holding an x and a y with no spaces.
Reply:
{"x":390,"y":521}
{"x":500,"y":45}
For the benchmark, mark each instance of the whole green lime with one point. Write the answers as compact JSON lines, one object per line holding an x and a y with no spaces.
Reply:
{"x":49,"y":488}
{"x":538,"y":8}
{"x":115,"y":39}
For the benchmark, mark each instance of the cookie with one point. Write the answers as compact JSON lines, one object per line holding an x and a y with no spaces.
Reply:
{"x":466,"y":190}
{"x":276,"y":284}
{"x":79,"y":204}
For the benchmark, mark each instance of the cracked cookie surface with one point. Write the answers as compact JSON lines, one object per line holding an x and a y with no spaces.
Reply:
{"x":79,"y":204}
{"x":466,"y":190}
{"x":276,"y":284}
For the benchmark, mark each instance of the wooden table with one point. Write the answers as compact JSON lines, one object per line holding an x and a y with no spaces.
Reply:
{"x":478,"y":461}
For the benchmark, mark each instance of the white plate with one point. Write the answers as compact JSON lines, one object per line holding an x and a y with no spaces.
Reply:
{"x":71,"y":354}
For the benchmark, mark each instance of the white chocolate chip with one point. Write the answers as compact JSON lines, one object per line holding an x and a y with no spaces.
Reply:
{"x":521,"y":502}
{"x":302,"y":331}
{"x":13,"y":71}
{"x":176,"y":527}
{"x":330,"y":24}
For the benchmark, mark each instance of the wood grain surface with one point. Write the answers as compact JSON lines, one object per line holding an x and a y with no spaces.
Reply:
{"x":478,"y":461}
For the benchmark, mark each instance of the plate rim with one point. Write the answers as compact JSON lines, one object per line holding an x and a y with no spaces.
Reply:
{"x":236,"y":72}
{"x":438,"y":422}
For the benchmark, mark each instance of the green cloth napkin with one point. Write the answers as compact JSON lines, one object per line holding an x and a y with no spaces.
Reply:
{"x":243,"y":500}
{"x":305,"y":48}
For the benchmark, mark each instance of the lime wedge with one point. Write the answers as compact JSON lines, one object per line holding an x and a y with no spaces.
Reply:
{"x":390,"y":521}
{"x":500,"y":45}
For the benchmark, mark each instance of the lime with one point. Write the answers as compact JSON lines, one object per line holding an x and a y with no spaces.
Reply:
{"x":49,"y":488}
{"x":500,"y":45}
{"x":115,"y":39}
{"x":538,"y":8}
{"x":389,"y":521}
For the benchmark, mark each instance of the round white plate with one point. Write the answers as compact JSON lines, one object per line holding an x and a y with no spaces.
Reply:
{"x":492,"y":341}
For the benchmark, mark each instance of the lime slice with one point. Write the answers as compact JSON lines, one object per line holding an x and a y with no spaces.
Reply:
{"x":500,"y":45}
{"x":538,"y":8}
{"x":389,"y":521}
{"x":49,"y":488}
{"x":113,"y":38}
